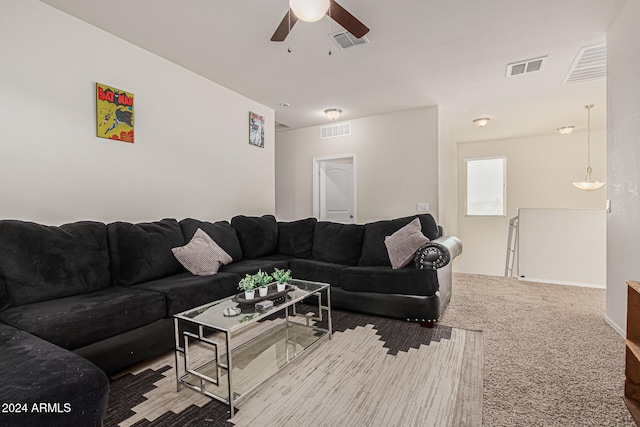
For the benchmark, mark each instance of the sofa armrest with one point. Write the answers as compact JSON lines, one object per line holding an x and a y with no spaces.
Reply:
{"x":437,"y":253}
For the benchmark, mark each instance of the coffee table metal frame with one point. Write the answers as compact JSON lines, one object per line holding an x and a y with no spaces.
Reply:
{"x":209,"y":319}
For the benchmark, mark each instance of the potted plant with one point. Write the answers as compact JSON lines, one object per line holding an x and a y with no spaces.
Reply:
{"x":248,"y":285}
{"x":282,"y":277}
{"x":262,"y":279}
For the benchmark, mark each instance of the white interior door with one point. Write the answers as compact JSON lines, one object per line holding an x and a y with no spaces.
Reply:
{"x":336,"y":200}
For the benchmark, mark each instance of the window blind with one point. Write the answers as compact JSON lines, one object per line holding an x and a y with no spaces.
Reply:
{"x":486,"y":186}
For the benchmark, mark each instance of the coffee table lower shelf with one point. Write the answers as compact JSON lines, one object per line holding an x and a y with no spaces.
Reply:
{"x":253,"y":362}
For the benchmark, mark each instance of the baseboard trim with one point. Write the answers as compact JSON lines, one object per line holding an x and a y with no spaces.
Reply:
{"x":560,"y":282}
{"x":615,"y":326}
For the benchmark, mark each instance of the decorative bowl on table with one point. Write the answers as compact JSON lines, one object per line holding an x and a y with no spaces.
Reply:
{"x":272,"y":294}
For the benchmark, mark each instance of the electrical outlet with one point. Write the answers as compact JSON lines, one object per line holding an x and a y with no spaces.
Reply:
{"x":422,"y":207}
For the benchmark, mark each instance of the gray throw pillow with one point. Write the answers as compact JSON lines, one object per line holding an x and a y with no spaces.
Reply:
{"x":403,"y":244}
{"x":201,"y":256}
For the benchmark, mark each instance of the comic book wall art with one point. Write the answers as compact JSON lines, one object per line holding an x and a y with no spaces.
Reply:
{"x":256,"y":129}
{"x":114,"y":108}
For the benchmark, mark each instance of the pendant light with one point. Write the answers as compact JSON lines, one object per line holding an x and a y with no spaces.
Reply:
{"x":589,"y":184}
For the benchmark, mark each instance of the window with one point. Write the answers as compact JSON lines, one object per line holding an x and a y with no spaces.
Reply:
{"x":486,"y":186}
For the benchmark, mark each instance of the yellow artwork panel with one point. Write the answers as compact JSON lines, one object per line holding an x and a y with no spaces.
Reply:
{"x":114,"y":108}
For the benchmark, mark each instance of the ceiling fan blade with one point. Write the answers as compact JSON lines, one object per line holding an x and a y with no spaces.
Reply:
{"x":285,"y":25}
{"x":347,"y":20}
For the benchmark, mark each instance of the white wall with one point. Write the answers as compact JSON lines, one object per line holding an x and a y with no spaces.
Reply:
{"x":540,"y":171}
{"x":623,"y":158}
{"x":566,"y":246}
{"x":447,"y":176}
{"x":191,"y":155}
{"x":396,"y":163}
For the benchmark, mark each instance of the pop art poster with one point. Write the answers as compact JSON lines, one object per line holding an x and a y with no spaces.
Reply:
{"x":256,"y":130}
{"x":114,"y":108}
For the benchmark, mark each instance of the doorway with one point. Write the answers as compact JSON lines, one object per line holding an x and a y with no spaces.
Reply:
{"x":334,"y":189}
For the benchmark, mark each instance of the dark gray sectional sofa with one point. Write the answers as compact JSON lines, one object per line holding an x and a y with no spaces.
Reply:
{"x":84,"y":299}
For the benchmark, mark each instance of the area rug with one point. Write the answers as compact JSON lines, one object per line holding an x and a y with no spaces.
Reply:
{"x":373,"y":372}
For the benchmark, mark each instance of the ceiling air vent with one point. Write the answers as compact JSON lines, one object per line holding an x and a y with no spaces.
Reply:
{"x":345,"y":40}
{"x":526,"y":67}
{"x":590,"y":64}
{"x":335,"y":131}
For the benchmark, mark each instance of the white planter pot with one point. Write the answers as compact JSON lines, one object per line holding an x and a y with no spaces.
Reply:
{"x":249,"y":294}
{"x":263,"y":291}
{"x":281,"y":287}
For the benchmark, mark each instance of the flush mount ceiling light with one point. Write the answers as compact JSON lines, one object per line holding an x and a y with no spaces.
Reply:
{"x":309,"y":10}
{"x":333,"y":113}
{"x":589,"y":184}
{"x":481,"y":122}
{"x":566,"y":130}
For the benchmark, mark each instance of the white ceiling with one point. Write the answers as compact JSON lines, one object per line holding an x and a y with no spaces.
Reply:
{"x":451,"y":53}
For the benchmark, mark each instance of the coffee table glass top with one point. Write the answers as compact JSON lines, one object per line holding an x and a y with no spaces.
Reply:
{"x":212,"y":314}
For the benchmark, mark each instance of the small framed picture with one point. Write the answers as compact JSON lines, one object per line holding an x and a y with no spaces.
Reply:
{"x":256,"y":130}
{"x":114,"y":109}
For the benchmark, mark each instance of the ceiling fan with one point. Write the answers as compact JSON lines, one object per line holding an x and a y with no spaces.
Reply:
{"x":333,"y":10}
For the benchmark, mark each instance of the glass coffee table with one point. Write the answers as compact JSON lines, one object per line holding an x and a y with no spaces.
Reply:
{"x":261,"y":342}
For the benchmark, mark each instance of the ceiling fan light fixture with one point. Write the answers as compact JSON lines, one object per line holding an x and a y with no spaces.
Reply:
{"x":333,"y":113}
{"x":481,"y":122}
{"x":309,"y":10}
{"x":566,"y":130}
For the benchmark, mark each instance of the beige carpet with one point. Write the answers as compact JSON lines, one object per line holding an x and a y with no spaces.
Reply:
{"x":373,"y":372}
{"x":550,"y":358}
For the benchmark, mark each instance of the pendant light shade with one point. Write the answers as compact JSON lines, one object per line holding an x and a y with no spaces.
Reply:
{"x":309,"y":10}
{"x":589,"y":184}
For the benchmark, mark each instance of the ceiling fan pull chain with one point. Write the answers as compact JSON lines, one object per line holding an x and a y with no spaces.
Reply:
{"x":329,"y":14}
{"x":289,"y":33}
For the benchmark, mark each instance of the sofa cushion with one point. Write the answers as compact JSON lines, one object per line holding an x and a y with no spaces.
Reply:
{"x":184,"y":290}
{"x":374,"y":251}
{"x":201,"y":256}
{"x":5,"y":298}
{"x":258,"y":235}
{"x":295,"y":238}
{"x":79,"y":320}
{"x":39,"y":262}
{"x":338,"y":243}
{"x":429,"y":227}
{"x":385,"y":280}
{"x":317,"y":271}
{"x":403,"y":244}
{"x":220,"y":231}
{"x":34,"y":371}
{"x":276,"y":257}
{"x":142,"y":252}
{"x":251,"y":266}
